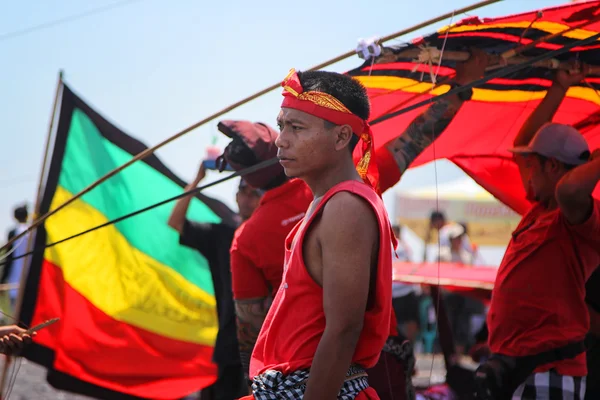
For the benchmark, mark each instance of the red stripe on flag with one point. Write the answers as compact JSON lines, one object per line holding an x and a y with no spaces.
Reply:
{"x":49,"y":304}
{"x":94,"y":347}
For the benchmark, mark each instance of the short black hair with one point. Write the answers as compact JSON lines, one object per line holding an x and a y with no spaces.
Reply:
{"x":437,"y":216}
{"x":21,"y":213}
{"x":349,"y":91}
{"x":465,"y":226}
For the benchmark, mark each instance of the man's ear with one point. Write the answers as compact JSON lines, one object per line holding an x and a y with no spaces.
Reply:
{"x":554,"y":164}
{"x":344,"y":135}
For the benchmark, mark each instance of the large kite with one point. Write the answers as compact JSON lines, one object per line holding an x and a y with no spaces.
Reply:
{"x":478,"y":138}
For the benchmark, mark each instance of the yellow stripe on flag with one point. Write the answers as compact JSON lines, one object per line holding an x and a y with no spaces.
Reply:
{"x":123,"y":282}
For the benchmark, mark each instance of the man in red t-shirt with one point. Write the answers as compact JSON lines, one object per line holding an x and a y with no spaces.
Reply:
{"x":257,"y":251}
{"x":538,"y":301}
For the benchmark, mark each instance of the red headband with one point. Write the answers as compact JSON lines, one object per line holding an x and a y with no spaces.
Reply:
{"x":327,"y":107}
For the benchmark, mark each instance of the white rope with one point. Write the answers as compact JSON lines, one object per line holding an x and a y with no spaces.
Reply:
{"x":437,"y":199}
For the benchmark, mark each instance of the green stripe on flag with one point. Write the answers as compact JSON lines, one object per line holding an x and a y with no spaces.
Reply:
{"x":89,"y":156}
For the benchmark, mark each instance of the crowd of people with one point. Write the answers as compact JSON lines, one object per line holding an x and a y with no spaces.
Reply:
{"x":303,"y":281}
{"x":413,"y":305}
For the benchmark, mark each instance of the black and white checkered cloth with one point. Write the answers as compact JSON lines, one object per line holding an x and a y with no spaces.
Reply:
{"x":273,"y":385}
{"x":550,"y":386}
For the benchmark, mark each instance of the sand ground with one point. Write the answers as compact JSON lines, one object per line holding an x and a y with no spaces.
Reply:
{"x":30,"y":382}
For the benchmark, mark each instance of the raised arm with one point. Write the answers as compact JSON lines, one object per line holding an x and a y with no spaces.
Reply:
{"x":574,"y":194}
{"x":549,"y":105}
{"x":545,"y":111}
{"x":177,"y":218}
{"x":428,"y":126}
{"x":347,"y":256}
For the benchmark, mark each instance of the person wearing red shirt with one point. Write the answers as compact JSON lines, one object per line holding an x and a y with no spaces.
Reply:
{"x":538,"y":301}
{"x":286,"y":333}
{"x":332,"y":312}
{"x":257,"y":252}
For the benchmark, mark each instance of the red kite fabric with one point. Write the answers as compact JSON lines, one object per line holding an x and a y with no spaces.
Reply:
{"x":445,"y":274}
{"x":473,"y":281}
{"x":478,"y":138}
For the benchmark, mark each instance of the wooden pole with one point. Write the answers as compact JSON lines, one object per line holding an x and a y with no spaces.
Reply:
{"x":151,"y":150}
{"x":36,"y":210}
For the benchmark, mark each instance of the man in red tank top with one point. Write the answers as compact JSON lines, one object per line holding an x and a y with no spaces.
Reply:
{"x":331,"y":315}
{"x":257,"y":251}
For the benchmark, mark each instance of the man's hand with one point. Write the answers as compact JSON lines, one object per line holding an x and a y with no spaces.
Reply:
{"x":568,"y":78}
{"x":480,"y":351}
{"x":200,"y":175}
{"x":473,"y":68}
{"x":177,"y":217}
{"x":13,"y":339}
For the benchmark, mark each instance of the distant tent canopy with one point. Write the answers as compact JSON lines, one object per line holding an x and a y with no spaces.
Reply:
{"x":489,"y":221}
{"x":138,"y":312}
{"x":485,"y":127}
{"x":474,"y":281}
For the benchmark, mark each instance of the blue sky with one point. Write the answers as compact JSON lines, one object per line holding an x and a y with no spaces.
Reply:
{"x":154,"y":67}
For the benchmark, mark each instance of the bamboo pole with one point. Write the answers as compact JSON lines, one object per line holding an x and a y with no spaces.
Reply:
{"x":25,"y":269}
{"x":179,"y":134}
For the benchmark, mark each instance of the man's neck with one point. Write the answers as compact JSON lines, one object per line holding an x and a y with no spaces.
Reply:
{"x":319,"y":185}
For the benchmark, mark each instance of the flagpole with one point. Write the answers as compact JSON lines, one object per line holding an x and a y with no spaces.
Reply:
{"x":227,"y":109}
{"x":36,"y":210}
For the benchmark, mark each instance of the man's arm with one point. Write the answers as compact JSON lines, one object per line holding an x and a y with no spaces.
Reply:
{"x":428,"y":126}
{"x":347,"y":257}
{"x":545,"y":111}
{"x":574,"y":191}
{"x":250,"y":316}
{"x":177,"y":218}
{"x":251,"y":297}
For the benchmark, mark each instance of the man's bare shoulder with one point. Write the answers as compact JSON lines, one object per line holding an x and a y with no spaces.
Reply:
{"x":348,"y":211}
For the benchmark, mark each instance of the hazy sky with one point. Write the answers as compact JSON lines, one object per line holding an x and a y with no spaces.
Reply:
{"x":153,"y":67}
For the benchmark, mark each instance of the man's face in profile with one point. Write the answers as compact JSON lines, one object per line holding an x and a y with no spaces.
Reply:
{"x":247,"y":199}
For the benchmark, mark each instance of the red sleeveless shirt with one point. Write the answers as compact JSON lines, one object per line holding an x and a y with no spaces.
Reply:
{"x":295,"y":322}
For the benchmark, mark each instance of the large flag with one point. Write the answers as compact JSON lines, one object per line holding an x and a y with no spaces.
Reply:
{"x":478,"y":138}
{"x":138,"y":311}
